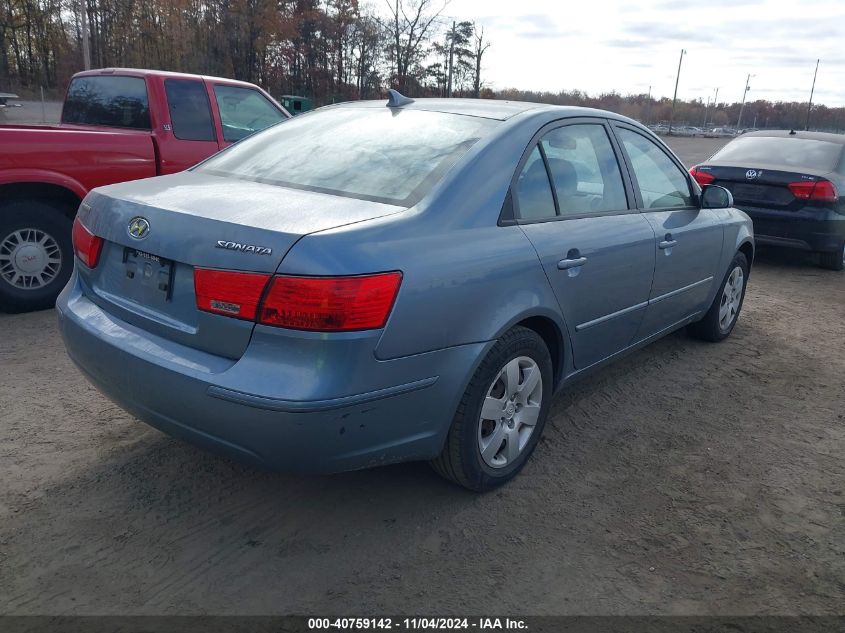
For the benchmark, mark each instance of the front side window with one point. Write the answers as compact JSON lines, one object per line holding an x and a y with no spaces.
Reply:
{"x":372,"y":153}
{"x":661,"y":182}
{"x":190,"y":113}
{"x":584,"y":170}
{"x":109,"y":100}
{"x":244,"y":111}
{"x":533,"y":192}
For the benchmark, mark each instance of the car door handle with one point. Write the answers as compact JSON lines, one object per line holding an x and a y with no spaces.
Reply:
{"x":668,"y":244}
{"x":566,"y":264}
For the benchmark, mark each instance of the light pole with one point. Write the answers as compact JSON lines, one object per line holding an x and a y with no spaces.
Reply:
{"x":812,"y":90}
{"x":675,"y":98}
{"x":742,"y":107}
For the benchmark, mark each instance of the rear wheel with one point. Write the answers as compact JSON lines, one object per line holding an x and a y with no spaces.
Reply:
{"x":36,"y":255}
{"x":501,"y":415}
{"x":835,"y":260}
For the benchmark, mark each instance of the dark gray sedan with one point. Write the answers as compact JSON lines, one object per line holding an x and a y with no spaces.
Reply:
{"x":368,"y":284}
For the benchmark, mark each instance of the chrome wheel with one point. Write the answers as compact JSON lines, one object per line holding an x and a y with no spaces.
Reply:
{"x":510,"y":412}
{"x":29,"y":259}
{"x":731,"y":299}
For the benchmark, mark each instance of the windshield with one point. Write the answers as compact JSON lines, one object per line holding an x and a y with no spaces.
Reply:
{"x":378,"y":154}
{"x":800,"y":153}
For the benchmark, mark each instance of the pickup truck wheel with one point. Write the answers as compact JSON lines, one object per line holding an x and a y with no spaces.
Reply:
{"x":36,"y":255}
{"x":835,"y":260}
{"x":501,"y":416}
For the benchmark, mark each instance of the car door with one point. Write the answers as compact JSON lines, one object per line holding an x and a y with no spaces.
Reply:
{"x":189,"y":135}
{"x":688,"y":244}
{"x":572,"y":201}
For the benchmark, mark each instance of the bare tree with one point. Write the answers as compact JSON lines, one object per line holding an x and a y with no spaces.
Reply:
{"x":411,"y":22}
{"x":480,"y":47}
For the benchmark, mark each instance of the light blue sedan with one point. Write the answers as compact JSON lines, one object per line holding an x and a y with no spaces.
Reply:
{"x":372,"y":283}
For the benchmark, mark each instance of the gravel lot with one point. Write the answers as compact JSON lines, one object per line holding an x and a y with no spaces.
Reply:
{"x":688,"y":478}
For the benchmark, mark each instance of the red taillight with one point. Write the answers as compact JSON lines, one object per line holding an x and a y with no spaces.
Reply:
{"x":702,"y":177}
{"x":823,"y":190}
{"x":86,"y":245}
{"x":233,"y":294}
{"x":330,"y":304}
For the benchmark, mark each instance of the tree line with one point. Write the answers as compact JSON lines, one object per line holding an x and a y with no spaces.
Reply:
{"x":328,"y":50}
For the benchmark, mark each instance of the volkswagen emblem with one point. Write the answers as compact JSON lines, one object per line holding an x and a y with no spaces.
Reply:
{"x":139,"y":227}
{"x":751,"y":174}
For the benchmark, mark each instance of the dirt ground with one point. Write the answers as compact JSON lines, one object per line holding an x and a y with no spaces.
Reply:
{"x":689,"y":478}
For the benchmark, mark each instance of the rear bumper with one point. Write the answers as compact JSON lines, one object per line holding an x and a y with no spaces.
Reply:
{"x":809,"y":229}
{"x":212,"y":402}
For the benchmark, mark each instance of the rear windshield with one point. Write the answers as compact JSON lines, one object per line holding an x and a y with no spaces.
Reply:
{"x":378,"y":154}
{"x":789,"y":152}
{"x":109,"y":100}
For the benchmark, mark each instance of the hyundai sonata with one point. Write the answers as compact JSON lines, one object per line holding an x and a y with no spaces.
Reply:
{"x":417,"y":285}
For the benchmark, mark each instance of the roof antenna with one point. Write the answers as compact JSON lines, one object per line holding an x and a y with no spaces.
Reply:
{"x":396,"y":99}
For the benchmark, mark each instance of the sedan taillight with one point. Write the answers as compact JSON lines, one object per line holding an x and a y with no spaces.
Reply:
{"x":702,"y":177}
{"x":318,"y":304}
{"x":822,"y":190}
{"x":330,"y":304}
{"x":86,"y":245}
{"x":230,"y":293}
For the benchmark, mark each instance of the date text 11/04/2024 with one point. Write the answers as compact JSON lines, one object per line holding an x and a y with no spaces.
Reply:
{"x":421,"y":623}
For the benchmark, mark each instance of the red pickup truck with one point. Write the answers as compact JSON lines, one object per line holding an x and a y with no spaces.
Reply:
{"x":117,"y":125}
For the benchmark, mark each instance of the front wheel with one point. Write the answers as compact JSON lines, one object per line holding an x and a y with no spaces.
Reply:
{"x":501,"y":415}
{"x":36,"y":255}
{"x":721,"y":318}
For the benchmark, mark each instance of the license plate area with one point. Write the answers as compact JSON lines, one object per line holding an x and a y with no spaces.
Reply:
{"x":149,"y":272}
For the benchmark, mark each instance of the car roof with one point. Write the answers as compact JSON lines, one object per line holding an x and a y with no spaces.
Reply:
{"x":814,"y":136}
{"x":144,"y":72}
{"x":485,"y":108}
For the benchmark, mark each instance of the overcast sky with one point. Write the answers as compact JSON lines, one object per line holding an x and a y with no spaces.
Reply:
{"x":629,"y":45}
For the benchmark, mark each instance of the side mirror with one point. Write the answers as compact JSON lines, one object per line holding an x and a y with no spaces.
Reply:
{"x":716,"y":197}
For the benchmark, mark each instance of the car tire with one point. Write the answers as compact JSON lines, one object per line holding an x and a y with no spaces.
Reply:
{"x":36,"y":255}
{"x":481,"y":454}
{"x":835,"y":260}
{"x":723,"y":314}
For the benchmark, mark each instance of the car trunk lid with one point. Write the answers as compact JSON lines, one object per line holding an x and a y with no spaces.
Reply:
{"x":157,"y":232}
{"x":760,"y":186}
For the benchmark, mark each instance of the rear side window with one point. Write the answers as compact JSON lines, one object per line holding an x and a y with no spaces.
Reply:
{"x":662,"y":183}
{"x":108,"y":100}
{"x":381,"y":154}
{"x":533,"y":191}
{"x":244,"y":111}
{"x":190,"y":112}
{"x":749,"y":151}
{"x":584,"y":170}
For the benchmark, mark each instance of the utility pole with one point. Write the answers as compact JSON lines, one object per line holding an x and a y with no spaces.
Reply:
{"x":86,"y":49}
{"x":706,"y":108}
{"x":812,"y":90}
{"x":742,"y":107}
{"x":648,"y":107}
{"x":451,"y":55}
{"x":675,"y":98}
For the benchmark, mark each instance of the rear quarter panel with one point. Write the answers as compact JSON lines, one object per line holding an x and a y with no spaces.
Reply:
{"x":465,"y":278}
